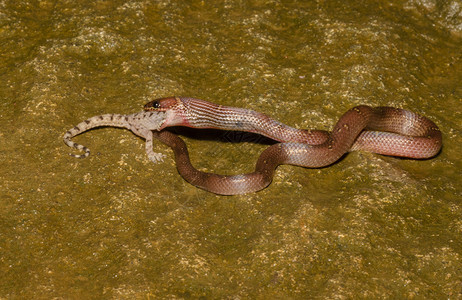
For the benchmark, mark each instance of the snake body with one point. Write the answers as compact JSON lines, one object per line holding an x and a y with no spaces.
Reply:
{"x":383,"y":130}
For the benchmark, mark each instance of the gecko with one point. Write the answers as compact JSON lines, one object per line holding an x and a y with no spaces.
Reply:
{"x":141,"y":124}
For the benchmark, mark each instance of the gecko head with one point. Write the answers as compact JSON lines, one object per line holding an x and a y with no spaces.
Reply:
{"x":175,"y":111}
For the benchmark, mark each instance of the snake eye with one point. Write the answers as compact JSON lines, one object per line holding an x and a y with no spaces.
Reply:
{"x":153,"y":105}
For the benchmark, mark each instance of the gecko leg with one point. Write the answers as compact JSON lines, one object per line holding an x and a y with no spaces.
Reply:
{"x":153,"y":156}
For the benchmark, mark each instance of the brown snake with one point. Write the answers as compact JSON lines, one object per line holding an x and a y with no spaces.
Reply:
{"x":383,"y":130}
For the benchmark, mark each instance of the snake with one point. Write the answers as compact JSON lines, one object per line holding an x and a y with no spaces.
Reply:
{"x":382,"y":130}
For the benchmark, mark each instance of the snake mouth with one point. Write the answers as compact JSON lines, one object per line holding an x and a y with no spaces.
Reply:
{"x":172,"y":107}
{"x":163,"y":124}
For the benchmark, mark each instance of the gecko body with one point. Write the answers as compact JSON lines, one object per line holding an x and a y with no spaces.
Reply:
{"x":141,"y":124}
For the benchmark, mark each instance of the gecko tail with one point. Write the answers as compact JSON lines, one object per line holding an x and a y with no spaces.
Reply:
{"x":115,"y":120}
{"x":67,"y":141}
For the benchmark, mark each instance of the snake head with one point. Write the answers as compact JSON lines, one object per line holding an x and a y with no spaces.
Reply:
{"x":162,"y":104}
{"x":173,"y":106}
